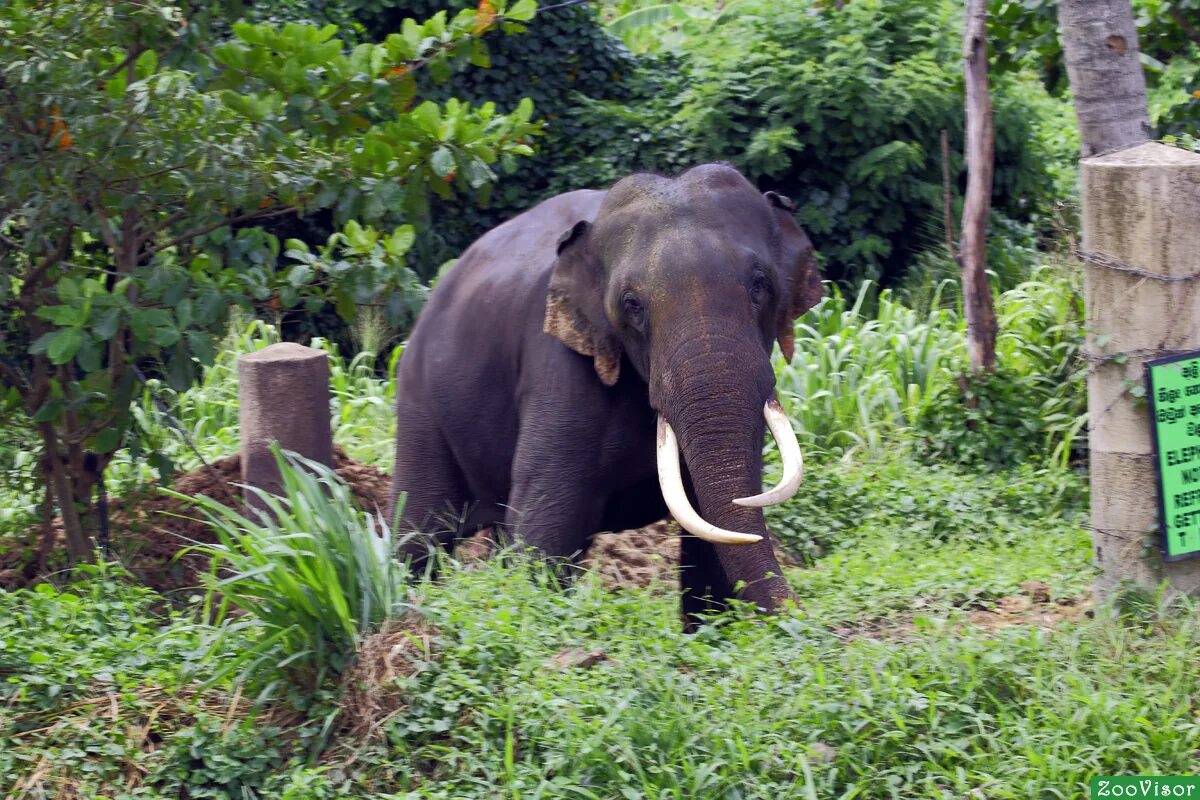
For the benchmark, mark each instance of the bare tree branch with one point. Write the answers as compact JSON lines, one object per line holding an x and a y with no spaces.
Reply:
{"x":12,"y":377}
{"x":195,"y":232}
{"x":981,"y":147}
{"x":1184,"y":25}
{"x":33,"y":281}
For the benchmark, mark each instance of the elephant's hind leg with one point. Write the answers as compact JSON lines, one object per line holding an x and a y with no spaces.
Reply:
{"x":429,"y":483}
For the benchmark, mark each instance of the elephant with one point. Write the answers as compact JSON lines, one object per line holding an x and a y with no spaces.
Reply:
{"x":557,"y":369}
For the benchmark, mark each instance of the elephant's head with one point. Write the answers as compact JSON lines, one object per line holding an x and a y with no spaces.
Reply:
{"x":692,"y":280}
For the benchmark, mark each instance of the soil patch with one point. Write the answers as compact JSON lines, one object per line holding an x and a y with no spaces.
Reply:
{"x":150,"y":529}
{"x":1032,"y":607}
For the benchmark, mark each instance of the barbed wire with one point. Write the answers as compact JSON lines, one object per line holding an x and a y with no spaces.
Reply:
{"x":1101,"y":260}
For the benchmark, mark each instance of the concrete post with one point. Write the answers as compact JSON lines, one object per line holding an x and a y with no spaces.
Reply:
{"x":283,"y":395}
{"x":1141,"y":208}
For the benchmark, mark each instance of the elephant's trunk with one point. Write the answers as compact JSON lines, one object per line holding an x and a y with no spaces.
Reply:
{"x":711,"y":389}
{"x":671,"y":478}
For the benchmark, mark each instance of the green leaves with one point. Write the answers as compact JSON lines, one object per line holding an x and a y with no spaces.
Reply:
{"x":62,"y":346}
{"x":148,"y":147}
{"x":313,"y":572}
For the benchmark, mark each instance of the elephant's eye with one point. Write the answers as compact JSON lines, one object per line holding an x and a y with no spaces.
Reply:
{"x":760,"y":289}
{"x":635,"y":312}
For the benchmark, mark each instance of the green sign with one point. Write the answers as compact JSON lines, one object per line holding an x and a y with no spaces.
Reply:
{"x":1174,"y":388}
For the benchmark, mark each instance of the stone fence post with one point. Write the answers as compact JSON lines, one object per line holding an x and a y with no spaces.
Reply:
{"x":1141,"y":229}
{"x":283,"y":395}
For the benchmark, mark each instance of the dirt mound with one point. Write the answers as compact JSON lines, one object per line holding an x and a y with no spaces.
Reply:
{"x":372,"y":693}
{"x":149,"y":529}
{"x":636,"y":558}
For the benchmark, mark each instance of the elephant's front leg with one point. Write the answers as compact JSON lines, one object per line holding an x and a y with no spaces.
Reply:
{"x":555,"y":504}
{"x":703,"y":584}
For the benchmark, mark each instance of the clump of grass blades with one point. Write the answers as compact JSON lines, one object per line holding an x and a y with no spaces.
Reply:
{"x":853,"y":378}
{"x":311,"y":573}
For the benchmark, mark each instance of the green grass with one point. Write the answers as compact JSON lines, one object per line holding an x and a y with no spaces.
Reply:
{"x":750,"y":707}
{"x":908,"y":520}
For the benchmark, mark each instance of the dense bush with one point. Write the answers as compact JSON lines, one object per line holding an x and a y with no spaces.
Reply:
{"x":564,"y":60}
{"x":839,"y":107}
{"x":842,"y":108}
{"x":863,"y":378}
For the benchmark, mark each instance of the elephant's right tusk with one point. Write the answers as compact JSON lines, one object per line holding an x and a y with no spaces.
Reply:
{"x":671,"y":481}
{"x":789,"y":453}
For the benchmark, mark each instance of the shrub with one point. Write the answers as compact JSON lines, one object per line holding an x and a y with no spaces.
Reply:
{"x":1034,"y":406}
{"x":855,"y":377}
{"x":841,"y":107}
{"x":310,"y":572}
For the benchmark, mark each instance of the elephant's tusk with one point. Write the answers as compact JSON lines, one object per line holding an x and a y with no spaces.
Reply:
{"x":789,"y":451}
{"x":677,"y":503}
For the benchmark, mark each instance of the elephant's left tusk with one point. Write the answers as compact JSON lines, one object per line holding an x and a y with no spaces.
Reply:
{"x":789,"y":452}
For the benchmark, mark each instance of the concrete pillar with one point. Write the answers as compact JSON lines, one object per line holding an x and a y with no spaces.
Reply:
{"x":1141,"y":223}
{"x":283,"y":394}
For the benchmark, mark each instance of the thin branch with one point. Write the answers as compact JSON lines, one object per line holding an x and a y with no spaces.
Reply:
{"x":153,"y":174}
{"x":31,"y":283}
{"x":947,"y":197}
{"x":195,"y":232}
{"x":1184,"y":25}
{"x":154,"y":230}
{"x":133,"y":54}
{"x":12,"y":377}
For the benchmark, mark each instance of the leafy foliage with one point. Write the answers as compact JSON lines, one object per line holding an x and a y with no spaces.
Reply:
{"x":564,"y":58}
{"x":1026,"y":35}
{"x":134,"y":157}
{"x":842,"y":108}
{"x":858,"y":381}
{"x":312,"y":572}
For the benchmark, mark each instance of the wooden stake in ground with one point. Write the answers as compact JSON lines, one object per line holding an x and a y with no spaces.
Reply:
{"x":1141,"y":250}
{"x":977,"y":294}
{"x":1100,"y":46}
{"x":283,"y":395}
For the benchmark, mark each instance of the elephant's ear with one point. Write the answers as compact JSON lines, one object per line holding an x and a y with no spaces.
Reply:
{"x":575,"y":305}
{"x":799,"y":264}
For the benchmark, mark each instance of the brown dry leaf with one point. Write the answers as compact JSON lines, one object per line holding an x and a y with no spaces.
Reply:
{"x":1013,"y":605}
{"x":485,"y":15}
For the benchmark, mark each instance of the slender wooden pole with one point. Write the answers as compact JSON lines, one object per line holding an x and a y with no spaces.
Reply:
{"x":977,"y":294}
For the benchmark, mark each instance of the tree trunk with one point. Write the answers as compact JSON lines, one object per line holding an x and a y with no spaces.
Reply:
{"x":72,"y":500}
{"x":1100,"y":46}
{"x":977,"y":294}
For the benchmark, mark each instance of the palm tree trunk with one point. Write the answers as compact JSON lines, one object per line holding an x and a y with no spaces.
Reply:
{"x":1100,"y":45}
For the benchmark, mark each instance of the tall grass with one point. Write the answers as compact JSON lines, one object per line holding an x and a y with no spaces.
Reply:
{"x":859,"y":376}
{"x":854,"y":377}
{"x":310,"y":570}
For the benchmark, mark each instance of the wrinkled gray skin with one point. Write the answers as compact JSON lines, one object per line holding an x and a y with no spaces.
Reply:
{"x":527,"y":395}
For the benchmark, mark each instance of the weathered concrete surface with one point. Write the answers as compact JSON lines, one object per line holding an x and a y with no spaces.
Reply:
{"x":283,"y":395}
{"x":1141,"y":208}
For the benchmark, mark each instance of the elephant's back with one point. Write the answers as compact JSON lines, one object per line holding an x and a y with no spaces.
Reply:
{"x":518,"y":252}
{"x":472,"y":328}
